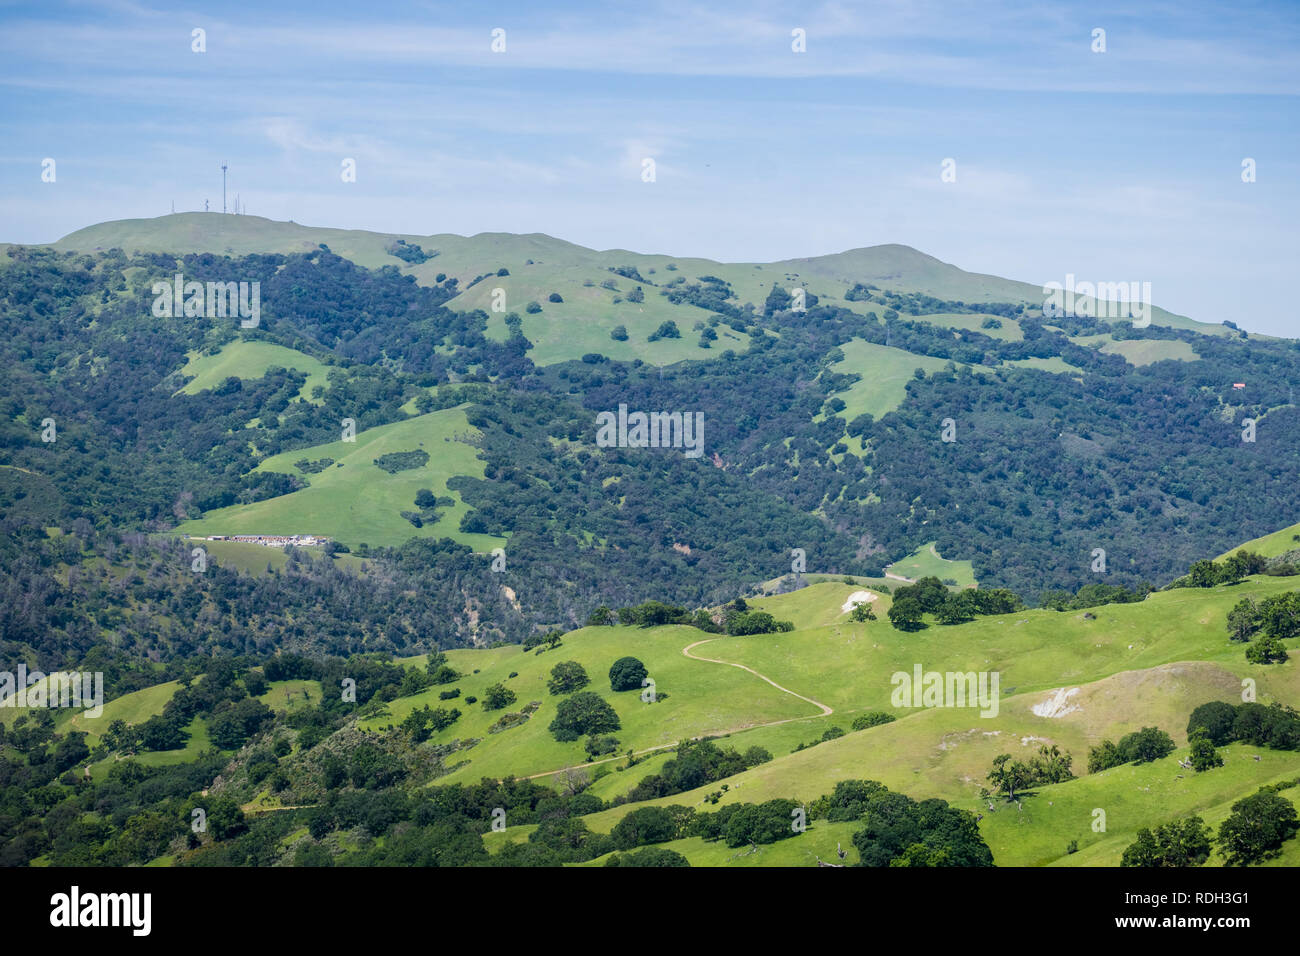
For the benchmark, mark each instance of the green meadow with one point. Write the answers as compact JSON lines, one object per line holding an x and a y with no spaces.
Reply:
{"x":353,"y":500}
{"x":542,"y":264}
{"x":925,"y":561}
{"x":247,"y":360}
{"x":885,"y":373}
{"x":1120,"y":667}
{"x":582,"y":323}
{"x":696,"y":698}
{"x":1271,"y":545}
{"x":1140,"y":351}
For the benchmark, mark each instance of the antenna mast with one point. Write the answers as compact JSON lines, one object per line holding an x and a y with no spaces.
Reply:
{"x":223,"y":185}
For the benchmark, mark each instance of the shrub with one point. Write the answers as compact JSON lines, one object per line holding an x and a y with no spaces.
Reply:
{"x":872,"y":719}
{"x":666,"y":330}
{"x":600,"y":745}
{"x":648,"y":856}
{"x":497,"y":697}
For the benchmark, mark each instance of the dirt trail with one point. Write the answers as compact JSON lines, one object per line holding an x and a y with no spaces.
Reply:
{"x":686,"y":651}
{"x":826,"y":711}
{"x":249,"y":808}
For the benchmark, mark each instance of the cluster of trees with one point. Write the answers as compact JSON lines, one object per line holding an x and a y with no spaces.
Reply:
{"x":735,"y":618}
{"x":410,"y":252}
{"x":1208,"y":574}
{"x":695,"y":763}
{"x":1275,"y":726}
{"x":1179,"y":843}
{"x":900,"y":831}
{"x":1277,"y":616}
{"x":1094,"y":595}
{"x":744,"y":622}
{"x":872,"y":718}
{"x":1071,"y":468}
{"x":929,"y":595}
{"x":897,"y":830}
{"x":143,"y":589}
{"x":424,"y":722}
{"x":1050,"y":765}
{"x":1141,"y":746}
{"x":1254,"y":832}
{"x":395,"y":461}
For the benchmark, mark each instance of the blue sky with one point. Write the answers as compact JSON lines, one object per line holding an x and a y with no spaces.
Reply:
{"x":1114,"y":166}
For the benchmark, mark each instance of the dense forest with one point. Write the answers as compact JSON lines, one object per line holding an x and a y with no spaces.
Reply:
{"x":1046,"y":467}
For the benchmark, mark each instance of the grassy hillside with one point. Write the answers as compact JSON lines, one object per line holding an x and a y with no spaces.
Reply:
{"x":1271,"y":545}
{"x":697,"y":698}
{"x":1140,"y":351}
{"x":1142,"y":662}
{"x":540,"y":264}
{"x":355,"y":501}
{"x":885,"y":373}
{"x":1127,"y":666}
{"x":247,"y":360}
{"x":925,"y":561}
{"x":254,"y":559}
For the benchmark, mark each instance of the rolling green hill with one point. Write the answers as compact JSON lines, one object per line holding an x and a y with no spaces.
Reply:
{"x":539,"y":265}
{"x":353,"y":500}
{"x":1127,"y":666}
{"x":247,"y":360}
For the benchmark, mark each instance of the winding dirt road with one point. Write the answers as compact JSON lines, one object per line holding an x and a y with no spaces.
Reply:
{"x":826,"y":711}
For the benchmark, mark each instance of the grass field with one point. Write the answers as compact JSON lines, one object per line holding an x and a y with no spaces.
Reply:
{"x":353,"y":500}
{"x":1132,"y":663}
{"x":885,"y":373}
{"x":926,"y":562}
{"x":255,"y":558}
{"x":540,"y":264}
{"x":246,"y":360}
{"x":1054,"y":364}
{"x":134,"y":708}
{"x":292,"y":695}
{"x":697,"y":698}
{"x":1009,"y":331}
{"x":1270,"y":545}
{"x":582,"y":323}
{"x":1140,"y":351}
{"x":1145,"y":664}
